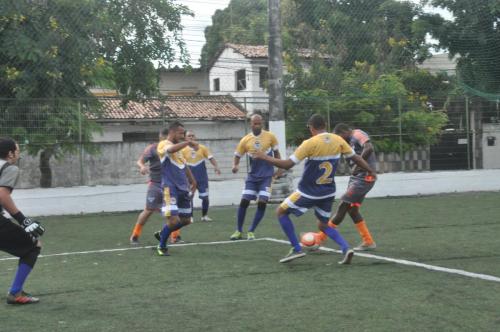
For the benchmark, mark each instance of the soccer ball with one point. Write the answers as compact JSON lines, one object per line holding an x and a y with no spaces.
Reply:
{"x":309,"y":240}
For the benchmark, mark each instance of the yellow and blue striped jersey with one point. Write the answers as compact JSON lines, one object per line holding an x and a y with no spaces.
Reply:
{"x":266,"y":142}
{"x":195,"y":159}
{"x":322,"y":153}
{"x":173,"y":165}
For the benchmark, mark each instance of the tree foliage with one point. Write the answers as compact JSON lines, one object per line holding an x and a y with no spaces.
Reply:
{"x":474,"y":35}
{"x":54,"y":51}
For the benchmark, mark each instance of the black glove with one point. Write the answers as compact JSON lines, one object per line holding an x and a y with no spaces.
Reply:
{"x":32,"y":227}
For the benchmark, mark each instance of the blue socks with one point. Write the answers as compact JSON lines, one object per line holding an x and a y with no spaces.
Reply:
{"x":204,"y":206}
{"x":335,"y":236}
{"x":261,"y":210}
{"x":287,"y":226}
{"x":23,"y":270}
{"x":165,"y":233}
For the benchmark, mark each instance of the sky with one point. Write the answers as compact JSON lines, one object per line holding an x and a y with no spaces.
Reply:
{"x":204,"y":9}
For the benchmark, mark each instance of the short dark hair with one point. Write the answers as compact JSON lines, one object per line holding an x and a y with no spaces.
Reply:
{"x":164,"y":132}
{"x":341,"y":128}
{"x":174,"y":125}
{"x":7,"y":145}
{"x":317,"y":121}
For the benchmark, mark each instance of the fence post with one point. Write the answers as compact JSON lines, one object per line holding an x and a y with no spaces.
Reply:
{"x":80,"y":147}
{"x":328,"y":114}
{"x":467,"y":130}
{"x":400,"y":125}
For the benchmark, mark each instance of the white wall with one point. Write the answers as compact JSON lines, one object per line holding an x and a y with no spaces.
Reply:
{"x":113,"y":132}
{"x":175,"y":82}
{"x":225,"y":68}
{"x":491,"y":154}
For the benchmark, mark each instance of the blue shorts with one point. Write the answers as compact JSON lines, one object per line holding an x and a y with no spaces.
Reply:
{"x":298,"y":205}
{"x":176,"y":202}
{"x":202,"y":188}
{"x":257,"y":188}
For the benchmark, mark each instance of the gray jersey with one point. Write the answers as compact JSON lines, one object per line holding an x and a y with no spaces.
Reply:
{"x":151,"y":155}
{"x":357,"y":141}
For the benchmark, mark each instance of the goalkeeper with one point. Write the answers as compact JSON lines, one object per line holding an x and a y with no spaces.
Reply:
{"x":18,"y":240}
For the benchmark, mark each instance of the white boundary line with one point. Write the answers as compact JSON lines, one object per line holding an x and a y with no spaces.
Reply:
{"x":365,"y":255}
{"x":409,"y":263}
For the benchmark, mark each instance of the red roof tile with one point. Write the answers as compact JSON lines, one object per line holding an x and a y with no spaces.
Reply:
{"x":261,"y":51}
{"x":198,"y":107}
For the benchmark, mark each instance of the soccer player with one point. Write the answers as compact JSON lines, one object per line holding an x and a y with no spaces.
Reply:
{"x":316,"y":188}
{"x":18,"y":240}
{"x":360,"y":183}
{"x":195,"y":159}
{"x":258,"y":181}
{"x":177,"y":183}
{"x":154,"y":195}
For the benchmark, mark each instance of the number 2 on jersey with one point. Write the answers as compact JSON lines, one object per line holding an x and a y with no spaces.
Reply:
{"x":325,"y":178}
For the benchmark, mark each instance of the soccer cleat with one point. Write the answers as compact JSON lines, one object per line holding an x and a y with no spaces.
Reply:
{"x":292,"y":254}
{"x":363,"y":246}
{"x":250,"y":236}
{"x":347,"y":257}
{"x":21,"y":298}
{"x":134,"y":240}
{"x":157,"y":235}
{"x":206,"y":218}
{"x":162,"y":251}
{"x":236,"y":236}
{"x":178,"y":239}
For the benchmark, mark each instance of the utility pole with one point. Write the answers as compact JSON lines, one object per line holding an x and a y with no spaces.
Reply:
{"x":276,"y":99}
{"x":281,"y":187}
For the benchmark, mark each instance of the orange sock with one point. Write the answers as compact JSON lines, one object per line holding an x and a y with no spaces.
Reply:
{"x":174,"y":235}
{"x":321,"y":237}
{"x":137,"y":230}
{"x":364,"y":232}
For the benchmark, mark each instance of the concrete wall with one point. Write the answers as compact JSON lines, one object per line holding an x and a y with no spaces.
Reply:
{"x":113,"y":132}
{"x":115,"y":162}
{"x":491,"y":153}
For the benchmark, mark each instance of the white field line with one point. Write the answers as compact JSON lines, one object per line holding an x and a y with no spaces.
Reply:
{"x":377,"y":257}
{"x":132,"y":248}
{"x":409,"y":263}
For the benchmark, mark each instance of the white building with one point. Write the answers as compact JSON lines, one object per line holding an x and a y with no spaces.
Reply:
{"x":241,"y":71}
{"x":182,"y":82}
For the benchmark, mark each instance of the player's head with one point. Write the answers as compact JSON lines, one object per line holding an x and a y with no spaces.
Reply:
{"x":176,"y":132}
{"x":190,"y":135}
{"x":343,"y":131}
{"x":316,"y":124}
{"x":163,"y":134}
{"x":9,"y":150}
{"x":256,"y":124}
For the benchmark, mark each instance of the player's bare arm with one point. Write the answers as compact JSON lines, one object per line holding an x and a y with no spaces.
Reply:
{"x":285,"y":164}
{"x":216,"y":166}
{"x":143,"y":169}
{"x":7,"y":202}
{"x":191,"y":179}
{"x":361,"y":163}
{"x":236,"y":164}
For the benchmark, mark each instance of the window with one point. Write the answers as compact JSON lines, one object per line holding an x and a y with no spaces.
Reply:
{"x":241,"y":80}
{"x":216,"y":84}
{"x":263,"y":77}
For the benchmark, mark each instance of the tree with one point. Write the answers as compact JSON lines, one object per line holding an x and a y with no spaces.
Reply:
{"x":242,"y":22}
{"x":474,"y":35}
{"x":53,"y":52}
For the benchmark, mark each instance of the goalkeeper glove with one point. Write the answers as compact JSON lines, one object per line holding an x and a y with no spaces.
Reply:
{"x":32,"y":227}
